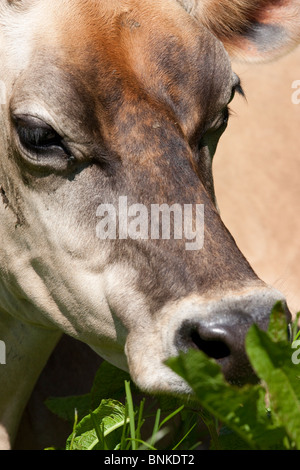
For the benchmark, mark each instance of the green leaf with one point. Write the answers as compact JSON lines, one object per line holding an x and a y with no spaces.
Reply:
{"x":278,"y":330}
{"x":64,"y":406}
{"x":295,"y":327}
{"x":241,"y":409}
{"x":72,"y":437}
{"x":273,"y":363}
{"x":108,"y":383}
{"x":171,"y":415}
{"x":110,"y":418}
{"x":131,"y":413}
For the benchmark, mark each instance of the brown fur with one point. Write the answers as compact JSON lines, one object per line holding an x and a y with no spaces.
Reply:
{"x":232,"y":21}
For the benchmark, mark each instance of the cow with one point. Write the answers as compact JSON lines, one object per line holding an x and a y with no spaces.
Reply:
{"x":123,"y":100}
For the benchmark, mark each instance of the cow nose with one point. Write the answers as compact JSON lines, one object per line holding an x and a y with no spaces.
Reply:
{"x":222,"y":337}
{"x":222,"y":341}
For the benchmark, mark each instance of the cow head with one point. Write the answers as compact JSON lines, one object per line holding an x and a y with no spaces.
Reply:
{"x":110,"y":102}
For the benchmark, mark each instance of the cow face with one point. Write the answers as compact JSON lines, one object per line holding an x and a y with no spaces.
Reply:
{"x":112,"y":104}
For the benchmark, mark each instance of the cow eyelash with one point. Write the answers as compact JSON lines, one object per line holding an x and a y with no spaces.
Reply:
{"x":226,"y":116}
{"x":223,"y":121}
{"x":35,"y":135}
{"x":38,"y":137}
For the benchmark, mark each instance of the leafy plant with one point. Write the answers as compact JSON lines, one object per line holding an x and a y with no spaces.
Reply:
{"x":137,"y":423}
{"x":262,"y":416}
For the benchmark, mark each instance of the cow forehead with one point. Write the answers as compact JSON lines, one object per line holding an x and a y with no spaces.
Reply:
{"x":151,"y":45}
{"x":142,"y":48}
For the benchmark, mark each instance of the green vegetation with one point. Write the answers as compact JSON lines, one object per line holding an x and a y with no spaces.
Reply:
{"x":263,"y":416}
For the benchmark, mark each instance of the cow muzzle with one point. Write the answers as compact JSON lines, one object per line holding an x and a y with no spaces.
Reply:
{"x":218,"y":328}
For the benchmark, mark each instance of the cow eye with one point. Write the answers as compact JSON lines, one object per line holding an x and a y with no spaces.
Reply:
{"x":40,"y":144}
{"x":224,"y":121}
{"x":36,"y":135}
{"x":211,"y":138}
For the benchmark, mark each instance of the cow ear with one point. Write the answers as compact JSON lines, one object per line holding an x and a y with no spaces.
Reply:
{"x":252,"y":30}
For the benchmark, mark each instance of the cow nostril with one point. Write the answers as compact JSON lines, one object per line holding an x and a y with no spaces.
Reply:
{"x":216,"y":349}
{"x":209,"y":341}
{"x":223,"y":342}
